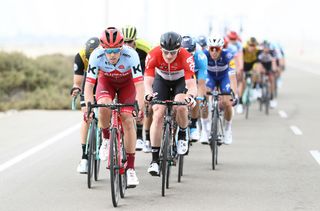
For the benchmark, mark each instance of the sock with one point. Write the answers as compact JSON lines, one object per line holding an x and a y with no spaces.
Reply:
{"x":193,"y":123}
{"x":155,"y":154}
{"x":205,"y":122}
{"x":105,"y":133}
{"x":147,"y":132}
{"x":84,"y":155}
{"x":228,"y":125}
{"x":182,"y":134}
{"x":130,"y":160}
{"x":240,"y":100}
{"x":139,"y":131}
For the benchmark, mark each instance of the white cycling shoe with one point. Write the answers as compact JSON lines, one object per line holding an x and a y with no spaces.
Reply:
{"x":104,"y":150}
{"x":154,"y":169}
{"x":83,"y":166}
{"x":139,"y":144}
{"x":132,"y":179}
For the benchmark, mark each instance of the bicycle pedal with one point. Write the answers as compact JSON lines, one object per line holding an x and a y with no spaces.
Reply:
{"x":131,"y":186}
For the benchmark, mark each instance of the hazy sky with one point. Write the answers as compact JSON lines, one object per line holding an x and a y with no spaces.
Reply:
{"x":287,"y":21}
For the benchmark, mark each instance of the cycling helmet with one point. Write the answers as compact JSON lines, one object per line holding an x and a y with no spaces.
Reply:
{"x":265,"y":44}
{"x":188,"y":43}
{"x":202,"y":41}
{"x":232,"y":35}
{"x":252,"y":41}
{"x":215,"y":41}
{"x":91,"y":44}
{"x":129,"y":33}
{"x":170,"y":41}
{"x":111,"y":38}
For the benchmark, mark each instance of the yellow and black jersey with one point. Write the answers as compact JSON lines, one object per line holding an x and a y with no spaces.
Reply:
{"x":80,"y":63}
{"x":142,"y":48}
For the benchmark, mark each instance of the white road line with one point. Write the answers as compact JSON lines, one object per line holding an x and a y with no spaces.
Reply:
{"x":296,"y":130}
{"x":316,"y":155}
{"x":35,"y":149}
{"x":283,"y":114}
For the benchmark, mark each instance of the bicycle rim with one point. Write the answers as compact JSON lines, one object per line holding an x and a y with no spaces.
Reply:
{"x":91,"y":155}
{"x":123,"y":177}
{"x":114,"y":170}
{"x":213,"y":139}
{"x":96,"y":157}
{"x":164,"y":161}
{"x":180,"y":168}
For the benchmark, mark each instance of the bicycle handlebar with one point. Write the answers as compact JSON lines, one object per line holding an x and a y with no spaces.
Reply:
{"x":168,"y":102}
{"x":114,"y":106}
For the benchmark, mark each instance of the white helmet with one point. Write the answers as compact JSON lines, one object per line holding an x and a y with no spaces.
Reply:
{"x":215,"y":41}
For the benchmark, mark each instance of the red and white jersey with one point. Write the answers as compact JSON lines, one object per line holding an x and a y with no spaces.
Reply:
{"x":182,"y":66}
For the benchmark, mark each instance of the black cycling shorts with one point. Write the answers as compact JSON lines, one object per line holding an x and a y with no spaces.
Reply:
{"x":167,"y":90}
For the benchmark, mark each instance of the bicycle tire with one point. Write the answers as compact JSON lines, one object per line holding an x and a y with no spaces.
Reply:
{"x":114,"y":170}
{"x":123,"y":177}
{"x":91,"y":158}
{"x":164,"y":161}
{"x":168,"y":174}
{"x":180,"y":167}
{"x":96,"y":154}
{"x":213,"y":138}
{"x":267,"y":99}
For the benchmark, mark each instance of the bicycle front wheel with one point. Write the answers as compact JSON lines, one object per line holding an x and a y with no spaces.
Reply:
{"x":213,"y":139}
{"x":164,"y":161}
{"x":96,"y":154}
{"x":114,"y":168}
{"x":180,"y":167}
{"x":91,"y":142}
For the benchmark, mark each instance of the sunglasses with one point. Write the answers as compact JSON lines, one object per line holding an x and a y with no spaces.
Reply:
{"x":112,"y":50}
{"x":252,"y":45}
{"x":173,"y":52}
{"x":129,"y":41}
{"x":211,"y":48}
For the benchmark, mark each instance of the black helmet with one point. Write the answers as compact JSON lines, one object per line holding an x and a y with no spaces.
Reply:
{"x":170,"y":41}
{"x":202,"y":41}
{"x":91,"y":44}
{"x":188,"y":43}
{"x":252,"y":41}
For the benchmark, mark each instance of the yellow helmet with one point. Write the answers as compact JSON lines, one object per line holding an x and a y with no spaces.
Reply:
{"x":129,"y":33}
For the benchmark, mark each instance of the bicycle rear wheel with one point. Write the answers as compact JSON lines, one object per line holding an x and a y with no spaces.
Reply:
{"x":122,"y":172}
{"x":114,"y":168}
{"x":96,"y":154}
{"x":164,"y":161}
{"x":91,"y":142}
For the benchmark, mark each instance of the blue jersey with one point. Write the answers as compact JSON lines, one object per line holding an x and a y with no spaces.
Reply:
{"x":224,"y":64}
{"x":201,"y":65}
{"x":127,"y":68}
{"x":234,"y":48}
{"x":220,"y":69}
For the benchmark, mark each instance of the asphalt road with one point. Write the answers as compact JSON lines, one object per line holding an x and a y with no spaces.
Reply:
{"x":271,"y":165}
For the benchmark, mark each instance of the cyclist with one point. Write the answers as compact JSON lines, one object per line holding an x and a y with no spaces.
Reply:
{"x":202,"y":41}
{"x":250,"y":62}
{"x":142,"y":47}
{"x":201,"y":64}
{"x":267,"y":58}
{"x":118,"y":70}
{"x":80,"y":67}
{"x":221,"y":72}
{"x":169,"y":71}
{"x":235,"y":46}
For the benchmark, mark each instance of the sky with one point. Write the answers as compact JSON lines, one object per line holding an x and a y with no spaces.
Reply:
{"x":64,"y":25}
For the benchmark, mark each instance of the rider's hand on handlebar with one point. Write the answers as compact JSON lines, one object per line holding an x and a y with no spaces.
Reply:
{"x":149,"y":97}
{"x":191,"y":101}
{"x":75,"y":91}
{"x":85,"y":116}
